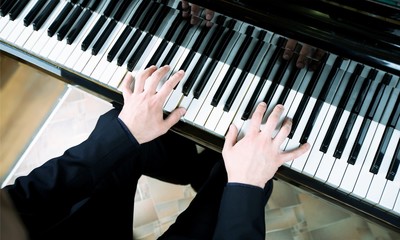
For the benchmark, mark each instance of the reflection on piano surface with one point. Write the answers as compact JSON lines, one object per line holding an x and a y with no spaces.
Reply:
{"x":347,"y":108}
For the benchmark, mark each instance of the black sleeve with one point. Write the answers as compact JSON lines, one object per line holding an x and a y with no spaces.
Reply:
{"x":241,"y":214}
{"x":51,"y":189}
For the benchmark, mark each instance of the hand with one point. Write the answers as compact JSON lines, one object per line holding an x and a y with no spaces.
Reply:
{"x":142,"y":112}
{"x":257,"y":156}
{"x":195,"y":13}
{"x":306,"y":53}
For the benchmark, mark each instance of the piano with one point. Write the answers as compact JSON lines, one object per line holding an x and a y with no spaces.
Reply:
{"x":346,"y":106}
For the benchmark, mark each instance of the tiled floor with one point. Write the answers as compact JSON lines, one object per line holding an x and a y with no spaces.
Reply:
{"x":290,"y":214}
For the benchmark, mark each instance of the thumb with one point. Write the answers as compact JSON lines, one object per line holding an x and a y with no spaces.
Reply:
{"x":231,"y":136}
{"x":174,"y":117}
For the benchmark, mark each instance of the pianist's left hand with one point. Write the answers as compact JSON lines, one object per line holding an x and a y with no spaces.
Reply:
{"x":142,"y":112}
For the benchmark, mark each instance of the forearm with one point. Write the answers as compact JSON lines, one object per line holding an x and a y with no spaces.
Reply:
{"x":241,"y":214}
{"x":68,"y":179}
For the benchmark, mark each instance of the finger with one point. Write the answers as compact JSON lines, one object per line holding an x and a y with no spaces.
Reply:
{"x":152,"y":83}
{"x":141,"y":78}
{"x":257,"y":118}
{"x":289,"y":49}
{"x":170,"y":84}
{"x":185,"y":9}
{"x":295,"y":153}
{"x":283,"y":132}
{"x":126,"y":85}
{"x":231,"y":137}
{"x":273,"y":120}
{"x":195,"y":14}
{"x":305,"y":52}
{"x":173,"y":118}
{"x":209,"y":17}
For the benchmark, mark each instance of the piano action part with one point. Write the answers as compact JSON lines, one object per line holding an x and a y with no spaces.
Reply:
{"x":347,"y":108}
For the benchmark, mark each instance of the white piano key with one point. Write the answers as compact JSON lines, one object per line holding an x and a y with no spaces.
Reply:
{"x":216,"y":112}
{"x":42,"y":32}
{"x":140,"y":65}
{"x":72,"y":53}
{"x":95,"y":60}
{"x":197,"y":104}
{"x":206,"y":108}
{"x":375,"y":189}
{"x":11,"y":26}
{"x":3,"y":22}
{"x":20,"y":34}
{"x":390,"y":192}
{"x":365,"y":177}
{"x":236,"y":108}
{"x":396,"y":207}
{"x":322,"y":169}
{"x":299,"y":163}
{"x":117,"y":77}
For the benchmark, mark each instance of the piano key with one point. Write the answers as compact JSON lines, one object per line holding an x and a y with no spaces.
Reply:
{"x":78,"y":26}
{"x":39,"y":38}
{"x":395,"y":162}
{"x":33,"y":12}
{"x":15,"y":26}
{"x":349,"y":90}
{"x":94,"y":31}
{"x":44,"y":15}
{"x":326,"y":88}
{"x":308,"y":93}
{"x":69,"y":22}
{"x":60,"y":19}
{"x":17,"y":9}
{"x":375,"y":189}
{"x":377,"y":98}
{"x":252,"y":103}
{"x":354,"y":112}
{"x":364,"y":177}
{"x":384,"y":142}
{"x":6,"y":7}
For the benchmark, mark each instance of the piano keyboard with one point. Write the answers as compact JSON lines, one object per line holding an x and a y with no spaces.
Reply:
{"x":348,"y":111}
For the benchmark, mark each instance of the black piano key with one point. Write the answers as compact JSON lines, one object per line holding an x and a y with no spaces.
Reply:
{"x":250,"y":62}
{"x":121,"y":10}
{"x":189,"y":83}
{"x":394,"y":164}
{"x":148,"y":15}
{"x":17,"y":9}
{"x":103,"y":37}
{"x":271,"y":63}
{"x":276,"y":80}
{"x":168,"y":37}
{"x":59,"y":20}
{"x":215,"y":58}
{"x":118,"y":44}
{"x":83,"y":3}
{"x":139,"y":52}
{"x":232,"y":68}
{"x":110,"y":8}
{"x":372,"y":108}
{"x":93,"y":5}
{"x":77,"y":28}
{"x":42,"y":17}
{"x":93,"y":33}
{"x":321,"y":99}
{"x":33,"y":12}
{"x":159,"y":19}
{"x":294,"y":73}
{"x":340,"y":108}
{"x":308,"y":92}
{"x":6,"y":7}
{"x":138,"y":13}
{"x":69,"y":22}
{"x":384,"y":143}
{"x":128,"y":48}
{"x":354,"y":113}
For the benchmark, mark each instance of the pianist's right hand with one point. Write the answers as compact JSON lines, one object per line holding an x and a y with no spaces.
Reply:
{"x":142,"y":112}
{"x":257,"y":156}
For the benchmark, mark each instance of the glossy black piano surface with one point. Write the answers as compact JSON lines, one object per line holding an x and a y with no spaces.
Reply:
{"x":347,"y":108}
